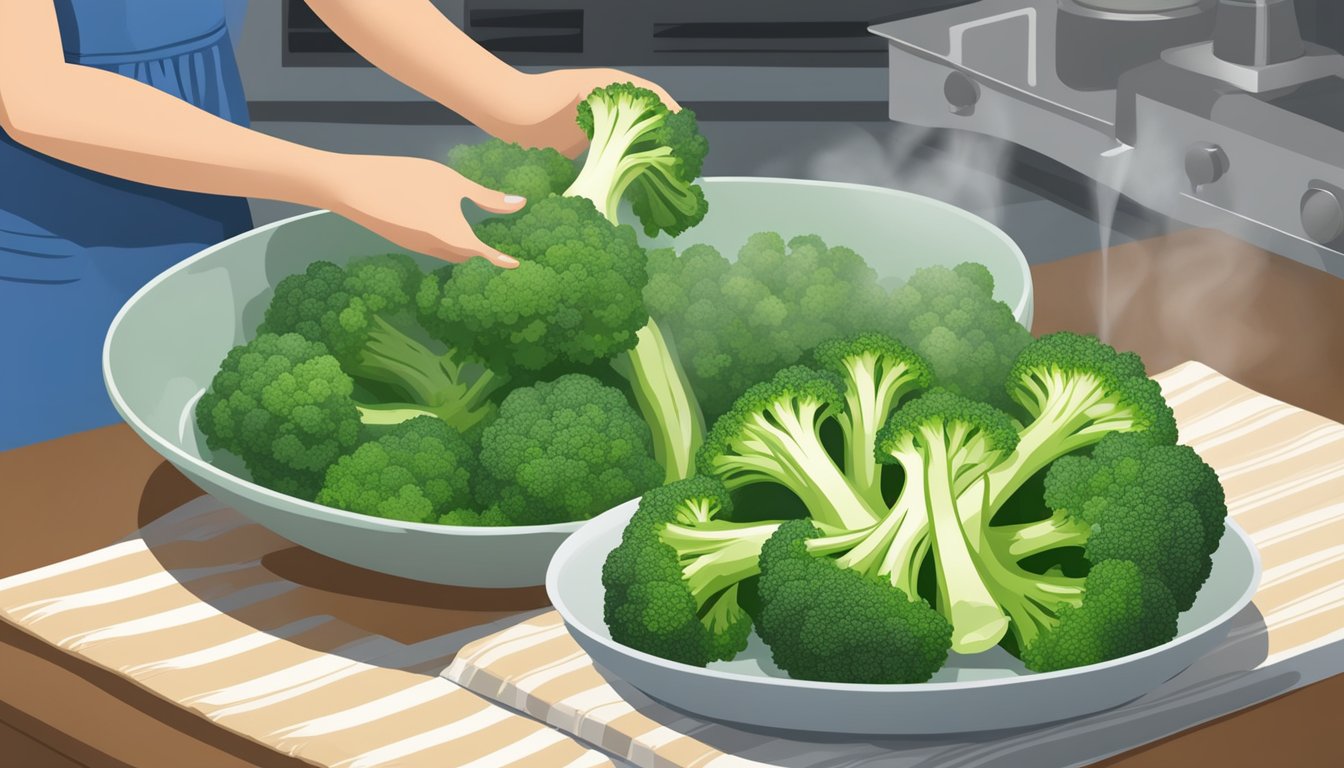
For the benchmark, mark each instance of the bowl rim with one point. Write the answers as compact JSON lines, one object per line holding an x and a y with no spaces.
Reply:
{"x":575,"y":545}
{"x":274,"y":499}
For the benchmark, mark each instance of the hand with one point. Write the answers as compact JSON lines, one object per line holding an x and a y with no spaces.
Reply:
{"x":416,"y":204}
{"x":543,"y":114}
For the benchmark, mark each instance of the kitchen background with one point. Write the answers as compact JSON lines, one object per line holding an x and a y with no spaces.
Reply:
{"x":784,"y":97}
{"x":793,"y":89}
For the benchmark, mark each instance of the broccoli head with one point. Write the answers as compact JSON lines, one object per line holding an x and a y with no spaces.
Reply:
{"x":1158,"y":506}
{"x":365,"y":315}
{"x":508,"y":167}
{"x":574,"y":300}
{"x":283,"y":405}
{"x":673,"y":584}
{"x":642,"y":151}
{"x":877,"y":371}
{"x":415,"y":472}
{"x":735,"y":324}
{"x":564,"y":450}
{"x":951,"y":318}
{"x":945,"y":443}
{"x":826,"y":622}
{"x":1076,"y":390}
{"x":772,"y":435}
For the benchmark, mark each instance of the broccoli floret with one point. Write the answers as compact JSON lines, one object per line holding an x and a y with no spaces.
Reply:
{"x":673,"y":583}
{"x":734,"y":324}
{"x":283,"y":405}
{"x":1158,"y":506}
{"x":641,"y":150}
{"x":508,"y":167}
{"x":950,"y":317}
{"x":945,"y":443}
{"x":365,"y":315}
{"x":490,"y":517}
{"x":772,"y":435}
{"x":878,"y":372}
{"x":564,"y":450}
{"x":1075,"y":391}
{"x":574,"y":300}
{"x":415,"y":472}
{"x":830,"y":623}
{"x":1123,"y":612}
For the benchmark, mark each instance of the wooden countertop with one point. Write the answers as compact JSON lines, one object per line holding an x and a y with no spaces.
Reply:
{"x":1269,"y":323}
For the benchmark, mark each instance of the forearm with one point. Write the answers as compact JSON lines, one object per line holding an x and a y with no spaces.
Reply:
{"x":130,"y":130}
{"x":414,"y":42}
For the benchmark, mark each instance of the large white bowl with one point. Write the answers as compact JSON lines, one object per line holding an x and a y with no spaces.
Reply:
{"x":982,"y":692}
{"x":168,"y":341}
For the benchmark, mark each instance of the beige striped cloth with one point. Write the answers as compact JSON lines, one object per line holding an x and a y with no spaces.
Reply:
{"x":1283,"y":470}
{"x":187,"y":610}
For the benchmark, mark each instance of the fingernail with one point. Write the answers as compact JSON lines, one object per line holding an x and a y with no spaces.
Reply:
{"x":512,"y":199}
{"x":506,"y":261}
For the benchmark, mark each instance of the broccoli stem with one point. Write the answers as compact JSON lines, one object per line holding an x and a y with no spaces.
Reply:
{"x":606,"y":172}
{"x":866,"y":412}
{"x":977,"y":621}
{"x":1027,"y":539}
{"x":717,"y":555}
{"x":1071,"y":412}
{"x":433,"y":381}
{"x":1031,"y":600}
{"x":666,"y":401}
{"x":785,"y":447}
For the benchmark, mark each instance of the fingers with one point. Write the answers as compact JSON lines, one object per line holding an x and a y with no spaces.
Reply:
{"x":493,"y":201}
{"x":470,"y":248}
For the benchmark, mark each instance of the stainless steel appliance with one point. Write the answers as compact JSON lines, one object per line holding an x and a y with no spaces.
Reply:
{"x":1219,"y":113}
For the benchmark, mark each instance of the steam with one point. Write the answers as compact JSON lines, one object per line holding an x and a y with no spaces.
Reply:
{"x":962,"y":168}
{"x":1182,"y":291}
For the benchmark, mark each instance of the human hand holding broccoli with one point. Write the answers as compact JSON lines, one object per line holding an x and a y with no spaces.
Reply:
{"x":543,"y":114}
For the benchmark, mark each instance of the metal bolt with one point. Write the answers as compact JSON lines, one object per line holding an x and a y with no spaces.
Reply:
{"x":1205,"y":164}
{"x":962,"y":93}
{"x":1322,"y":215}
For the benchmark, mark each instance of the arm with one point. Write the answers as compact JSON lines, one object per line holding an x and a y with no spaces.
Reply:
{"x":414,"y":42}
{"x":117,"y":126}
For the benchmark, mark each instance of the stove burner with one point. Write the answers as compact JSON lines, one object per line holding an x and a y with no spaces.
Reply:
{"x":1212,"y":112}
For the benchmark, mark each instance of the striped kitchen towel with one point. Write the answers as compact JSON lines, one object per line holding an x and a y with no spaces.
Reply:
{"x":1283,"y":470}
{"x":188,"y":610}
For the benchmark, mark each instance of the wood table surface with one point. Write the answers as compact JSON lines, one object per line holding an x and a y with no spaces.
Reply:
{"x":1269,"y":323}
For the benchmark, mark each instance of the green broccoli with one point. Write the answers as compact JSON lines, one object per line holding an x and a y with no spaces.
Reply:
{"x":823,"y":621}
{"x":490,"y":517}
{"x":283,"y":405}
{"x":673,"y":583}
{"x":950,"y":317}
{"x":1123,"y":612}
{"x":643,"y":151}
{"x":418,"y":470}
{"x":1140,"y":501}
{"x":574,"y":301}
{"x":532,"y":173}
{"x":1076,"y":390}
{"x":365,"y":315}
{"x":1071,"y":537}
{"x":738,"y":323}
{"x":878,"y":372}
{"x":564,"y":450}
{"x":772,"y":435}
{"x":945,"y":443}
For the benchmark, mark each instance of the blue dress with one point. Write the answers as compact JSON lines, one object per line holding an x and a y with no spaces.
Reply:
{"x":74,"y":244}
